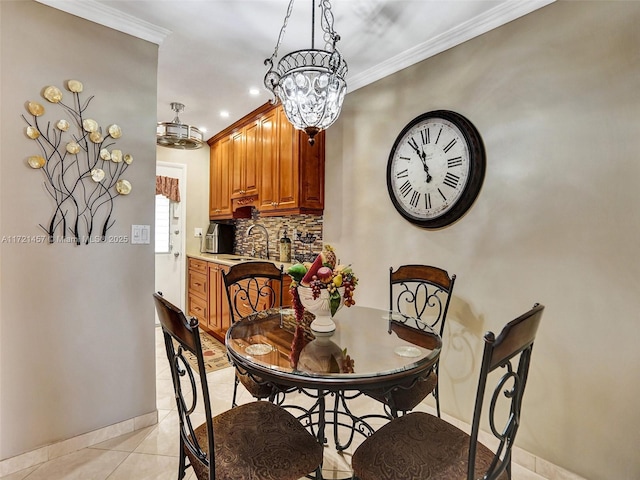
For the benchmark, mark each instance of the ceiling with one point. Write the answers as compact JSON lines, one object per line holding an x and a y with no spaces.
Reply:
{"x":212,"y":52}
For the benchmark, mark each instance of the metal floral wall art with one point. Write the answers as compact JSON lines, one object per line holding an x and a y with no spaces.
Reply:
{"x":82,"y":169}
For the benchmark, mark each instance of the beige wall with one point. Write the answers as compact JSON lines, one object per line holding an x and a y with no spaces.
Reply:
{"x":76,"y":322}
{"x":197,"y":164}
{"x":556,"y":97}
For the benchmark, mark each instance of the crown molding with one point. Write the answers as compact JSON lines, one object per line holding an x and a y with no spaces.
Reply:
{"x":494,"y":18}
{"x":110,"y":17}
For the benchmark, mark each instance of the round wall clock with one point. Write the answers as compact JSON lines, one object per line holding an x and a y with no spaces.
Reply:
{"x":436,"y":168}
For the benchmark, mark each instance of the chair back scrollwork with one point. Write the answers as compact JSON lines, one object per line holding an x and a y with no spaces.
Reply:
{"x":511,"y":350}
{"x":423,"y":292}
{"x":252,"y":287}
{"x":182,"y":335}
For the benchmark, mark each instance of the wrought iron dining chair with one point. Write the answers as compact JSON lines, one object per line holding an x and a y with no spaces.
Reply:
{"x":422,"y":446}
{"x":254,"y":441}
{"x":252,"y":287}
{"x":423,"y":292}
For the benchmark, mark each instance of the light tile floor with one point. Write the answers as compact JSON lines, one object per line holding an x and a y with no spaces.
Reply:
{"x":152,"y":452}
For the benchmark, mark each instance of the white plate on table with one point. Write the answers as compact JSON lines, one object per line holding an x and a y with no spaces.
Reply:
{"x":259,"y":349}
{"x":407,"y":351}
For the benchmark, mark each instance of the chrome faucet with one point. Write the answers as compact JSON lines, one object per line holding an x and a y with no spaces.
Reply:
{"x":266,"y":235}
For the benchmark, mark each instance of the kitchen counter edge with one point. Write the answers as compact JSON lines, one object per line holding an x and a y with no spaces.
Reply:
{"x":231,"y":259}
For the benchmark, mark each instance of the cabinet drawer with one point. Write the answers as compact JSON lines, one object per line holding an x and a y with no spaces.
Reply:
{"x":198,"y":265}
{"x":198,"y":308}
{"x":197,"y":283}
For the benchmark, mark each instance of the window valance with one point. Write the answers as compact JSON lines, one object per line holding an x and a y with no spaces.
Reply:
{"x":168,"y":187}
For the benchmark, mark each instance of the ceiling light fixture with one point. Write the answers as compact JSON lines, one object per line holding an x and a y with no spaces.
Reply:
{"x":310,"y":83}
{"x":176,"y":134}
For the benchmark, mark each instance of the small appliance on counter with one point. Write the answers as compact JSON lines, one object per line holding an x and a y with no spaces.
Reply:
{"x":219,"y":238}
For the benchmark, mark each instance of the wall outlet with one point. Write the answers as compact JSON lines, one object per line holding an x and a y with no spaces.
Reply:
{"x":197,"y":232}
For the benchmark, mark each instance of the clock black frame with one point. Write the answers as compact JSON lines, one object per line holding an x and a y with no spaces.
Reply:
{"x":477,"y":168}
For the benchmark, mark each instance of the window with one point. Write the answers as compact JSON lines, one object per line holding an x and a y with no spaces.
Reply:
{"x":163,"y":224}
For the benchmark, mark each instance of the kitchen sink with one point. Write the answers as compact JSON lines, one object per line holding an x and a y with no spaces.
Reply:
{"x":234,"y":258}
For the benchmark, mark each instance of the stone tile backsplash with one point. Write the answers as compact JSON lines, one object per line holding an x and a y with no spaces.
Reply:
{"x":306,"y":226}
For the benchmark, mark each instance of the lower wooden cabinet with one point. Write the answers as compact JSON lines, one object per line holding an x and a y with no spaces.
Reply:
{"x":207,"y":297}
{"x":219,"y":319}
{"x":198,"y":289}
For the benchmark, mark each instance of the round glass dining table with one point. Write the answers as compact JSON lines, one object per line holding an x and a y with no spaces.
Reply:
{"x":371,"y":350}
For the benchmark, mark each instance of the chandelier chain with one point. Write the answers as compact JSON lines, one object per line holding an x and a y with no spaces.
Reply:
{"x":330,"y":36}
{"x":270,"y":61}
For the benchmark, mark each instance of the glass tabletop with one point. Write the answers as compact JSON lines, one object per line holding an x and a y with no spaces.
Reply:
{"x":368,"y":343}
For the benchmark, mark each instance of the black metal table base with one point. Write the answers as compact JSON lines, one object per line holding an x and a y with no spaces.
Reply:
{"x":318,"y":417}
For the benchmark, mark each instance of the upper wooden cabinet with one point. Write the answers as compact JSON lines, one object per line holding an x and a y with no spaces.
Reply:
{"x":219,"y":197}
{"x":243,"y":161}
{"x":269,"y":165}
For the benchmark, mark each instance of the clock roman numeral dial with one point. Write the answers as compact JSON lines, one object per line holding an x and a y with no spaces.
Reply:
{"x":402,"y":174}
{"x":438,"y":137}
{"x":415,"y":198}
{"x":405,"y":188}
{"x":424,"y":134}
{"x":427,"y":201}
{"x":451,"y":180}
{"x":454,"y":162}
{"x":450,"y":145}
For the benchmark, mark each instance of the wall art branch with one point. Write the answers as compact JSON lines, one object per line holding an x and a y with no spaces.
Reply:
{"x":82,"y":170}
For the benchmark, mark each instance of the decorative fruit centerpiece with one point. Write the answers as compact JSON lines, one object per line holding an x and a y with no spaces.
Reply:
{"x":322,"y":287}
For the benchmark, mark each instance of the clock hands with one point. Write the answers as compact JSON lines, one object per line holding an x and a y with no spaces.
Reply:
{"x":423,"y":158}
{"x":426,"y":168}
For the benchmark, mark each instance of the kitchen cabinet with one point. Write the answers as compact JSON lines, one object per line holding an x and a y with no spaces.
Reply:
{"x":207,"y":296}
{"x":292,"y":173}
{"x":198,"y":291}
{"x":219,"y":194}
{"x":219,"y":318}
{"x":269,"y":166}
{"x":243,"y":161}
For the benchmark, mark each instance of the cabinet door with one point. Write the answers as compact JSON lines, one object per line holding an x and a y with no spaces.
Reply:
{"x":219,"y":188}
{"x":218,"y":302}
{"x":268,"y":161}
{"x":214,"y":296}
{"x":224,"y":316}
{"x":237,"y":157}
{"x":252,"y":155}
{"x":287,"y":193}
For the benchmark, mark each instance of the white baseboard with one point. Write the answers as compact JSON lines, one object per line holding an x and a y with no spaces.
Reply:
{"x":58,"y":449}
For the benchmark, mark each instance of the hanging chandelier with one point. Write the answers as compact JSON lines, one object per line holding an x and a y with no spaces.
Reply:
{"x":310,"y":83}
{"x":176,"y":134}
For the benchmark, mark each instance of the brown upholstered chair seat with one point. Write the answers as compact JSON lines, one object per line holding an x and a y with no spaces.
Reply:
{"x":406,"y":399}
{"x":258,"y":441}
{"x":418,"y":446}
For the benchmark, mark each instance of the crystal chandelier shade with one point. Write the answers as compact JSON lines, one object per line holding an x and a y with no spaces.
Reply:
{"x":310,"y":84}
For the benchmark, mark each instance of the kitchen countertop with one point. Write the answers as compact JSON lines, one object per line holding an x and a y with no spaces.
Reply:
{"x":231,"y":259}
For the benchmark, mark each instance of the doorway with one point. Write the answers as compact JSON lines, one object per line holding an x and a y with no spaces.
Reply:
{"x":170,"y":262}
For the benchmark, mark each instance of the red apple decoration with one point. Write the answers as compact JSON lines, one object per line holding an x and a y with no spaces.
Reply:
{"x":324,"y":274}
